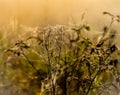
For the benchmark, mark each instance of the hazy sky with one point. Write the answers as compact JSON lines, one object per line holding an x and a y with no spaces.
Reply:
{"x":56,"y":11}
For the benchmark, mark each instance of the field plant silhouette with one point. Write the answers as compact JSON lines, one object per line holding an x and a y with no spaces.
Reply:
{"x":59,"y":60}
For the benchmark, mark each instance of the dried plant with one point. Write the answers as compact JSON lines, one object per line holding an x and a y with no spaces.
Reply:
{"x":72,"y":64}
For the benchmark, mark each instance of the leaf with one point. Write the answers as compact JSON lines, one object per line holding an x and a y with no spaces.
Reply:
{"x":118,"y":16}
{"x":115,"y":62}
{"x":108,"y":14}
{"x":22,"y":44}
{"x":76,"y":29}
{"x":92,"y":50}
{"x":18,"y":53}
{"x":72,"y":41}
{"x":112,"y":48}
{"x":118,"y":20}
{"x":88,"y":64}
{"x":87,"y":27}
{"x":111,"y":62}
{"x":105,"y":12}
{"x":100,"y":44}
{"x":118,"y":80}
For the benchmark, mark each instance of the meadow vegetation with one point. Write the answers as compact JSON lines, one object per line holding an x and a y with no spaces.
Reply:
{"x":59,"y":60}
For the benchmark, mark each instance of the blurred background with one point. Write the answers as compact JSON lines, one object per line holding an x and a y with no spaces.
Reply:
{"x":42,"y":12}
